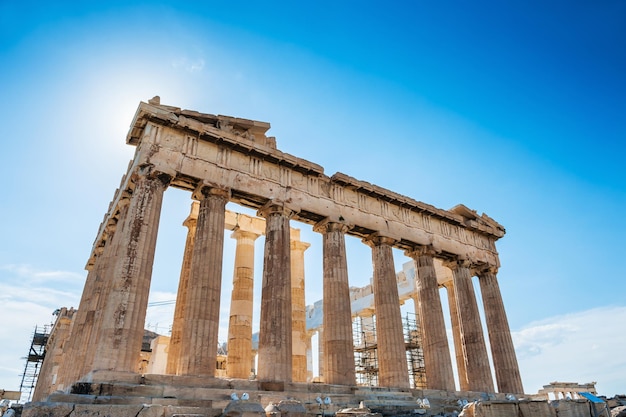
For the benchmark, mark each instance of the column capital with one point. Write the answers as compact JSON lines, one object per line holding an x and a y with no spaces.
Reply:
{"x":299,"y":245}
{"x":124,"y":200}
{"x":457,"y":262}
{"x":276,"y":207}
{"x":448,"y":284}
{"x":239,"y":233}
{"x":378,"y":239}
{"x":148,"y":171}
{"x":328,"y":225}
{"x":205,"y":190}
{"x":482,"y":269}
{"x":418,"y":251}
{"x":192,"y":219}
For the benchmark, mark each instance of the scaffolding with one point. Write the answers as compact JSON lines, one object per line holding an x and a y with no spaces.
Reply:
{"x":414,"y":351}
{"x":365,"y":351}
{"x":34,"y":360}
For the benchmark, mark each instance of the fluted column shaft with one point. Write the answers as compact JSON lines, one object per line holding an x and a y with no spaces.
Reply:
{"x":456,"y":336}
{"x":472,"y":339}
{"x":241,"y":306}
{"x":392,"y":364}
{"x":338,"y":338}
{"x":439,"y":374}
{"x":173,"y":355}
{"x":82,"y":325}
{"x":275,"y":349}
{"x":104,"y":282}
{"x":502,"y":350}
{"x":85,"y":328}
{"x":298,"y":311}
{"x":201,"y":324}
{"x":122,"y":327}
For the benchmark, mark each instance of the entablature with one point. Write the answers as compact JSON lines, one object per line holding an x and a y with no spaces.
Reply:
{"x":235,"y":154}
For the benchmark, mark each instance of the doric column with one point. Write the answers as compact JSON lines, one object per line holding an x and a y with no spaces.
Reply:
{"x":338,"y":339}
{"x":502,"y":350}
{"x":85,"y":328}
{"x":472,"y":339}
{"x":83,"y":322}
{"x":202,"y":312}
{"x":275,"y":362}
{"x":173,"y":354}
{"x":298,"y":311}
{"x":456,"y":336}
{"x":241,"y":306}
{"x":104,"y":280}
{"x":391,"y":351}
{"x":124,"y":314}
{"x":439,"y":374}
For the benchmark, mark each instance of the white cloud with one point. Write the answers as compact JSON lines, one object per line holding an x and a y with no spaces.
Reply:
{"x":32,"y":274}
{"x":29,"y":296}
{"x":581,"y":347}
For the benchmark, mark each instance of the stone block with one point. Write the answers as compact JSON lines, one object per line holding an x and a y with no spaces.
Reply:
{"x":47,"y":409}
{"x":536,"y":409}
{"x":291,"y":408}
{"x":195,"y":402}
{"x":59,"y":397}
{"x":186,"y":392}
{"x":152,"y":411}
{"x":131,"y":390}
{"x":165,"y":401}
{"x":94,"y":410}
{"x":490,"y":409}
{"x":272,"y":386}
{"x":243,"y":408}
{"x":119,"y":400}
{"x":572,"y":408}
{"x":180,"y":411}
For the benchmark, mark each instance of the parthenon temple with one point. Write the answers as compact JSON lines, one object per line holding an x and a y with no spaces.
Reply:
{"x":220,"y":160}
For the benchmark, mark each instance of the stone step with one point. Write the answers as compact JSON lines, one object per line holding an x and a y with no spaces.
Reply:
{"x":59,"y":409}
{"x":129,"y":400}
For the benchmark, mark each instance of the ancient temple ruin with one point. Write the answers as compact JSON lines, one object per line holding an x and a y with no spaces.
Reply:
{"x":221,"y":159}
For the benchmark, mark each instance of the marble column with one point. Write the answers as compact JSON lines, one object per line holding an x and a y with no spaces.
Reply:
{"x":392,"y":364}
{"x":173,"y":355}
{"x":82,"y":324}
{"x":298,"y":311}
{"x":124,"y":314}
{"x":473,"y":342}
{"x":84,"y":361}
{"x":200,"y":331}
{"x":275,"y":349}
{"x":502,"y":350}
{"x":456,"y":337}
{"x":241,"y":306}
{"x":439,"y":374}
{"x":338,"y":338}
{"x":86,"y":324}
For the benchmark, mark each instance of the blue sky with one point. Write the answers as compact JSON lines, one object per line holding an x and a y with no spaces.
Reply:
{"x":515,"y":109}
